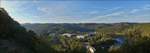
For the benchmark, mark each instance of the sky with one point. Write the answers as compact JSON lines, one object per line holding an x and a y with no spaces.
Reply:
{"x":79,"y":11}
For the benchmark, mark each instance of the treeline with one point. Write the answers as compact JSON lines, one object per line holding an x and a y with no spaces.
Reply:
{"x":58,"y":28}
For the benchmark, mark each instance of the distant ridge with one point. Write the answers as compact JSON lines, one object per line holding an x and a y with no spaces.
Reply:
{"x":46,"y":28}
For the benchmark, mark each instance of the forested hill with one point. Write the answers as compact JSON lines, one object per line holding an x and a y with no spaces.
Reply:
{"x":13,"y":37}
{"x":72,"y":27}
{"x":59,"y":28}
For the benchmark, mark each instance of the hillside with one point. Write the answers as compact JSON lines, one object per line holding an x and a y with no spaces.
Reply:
{"x":72,"y":27}
{"x":59,"y":28}
{"x":13,"y":37}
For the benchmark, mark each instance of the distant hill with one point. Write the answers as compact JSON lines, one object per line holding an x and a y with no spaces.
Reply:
{"x":57,"y":28}
{"x":72,"y":27}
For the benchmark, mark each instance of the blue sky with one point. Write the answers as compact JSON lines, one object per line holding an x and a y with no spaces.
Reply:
{"x":78,"y":11}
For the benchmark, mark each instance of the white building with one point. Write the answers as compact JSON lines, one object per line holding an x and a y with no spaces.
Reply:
{"x":80,"y":36}
{"x":68,"y":34}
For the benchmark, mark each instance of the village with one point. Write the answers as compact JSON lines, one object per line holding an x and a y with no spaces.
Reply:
{"x":79,"y":36}
{"x":90,"y":48}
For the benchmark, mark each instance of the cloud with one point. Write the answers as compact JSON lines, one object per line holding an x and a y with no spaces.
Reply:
{"x":94,"y":12}
{"x":70,"y":19}
{"x":58,"y":19}
{"x":108,"y":14}
{"x":44,"y":9}
{"x":20,"y":20}
{"x":35,"y":1}
{"x":115,"y":14}
{"x":147,"y":7}
{"x":58,"y":11}
{"x":113,"y":9}
{"x":143,"y":8}
{"x":107,"y":17}
{"x":55,"y":9}
{"x":134,"y":10}
{"x":111,"y":14}
{"x":16,"y":10}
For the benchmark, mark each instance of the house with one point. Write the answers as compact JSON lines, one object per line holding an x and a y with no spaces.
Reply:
{"x":68,"y":35}
{"x":80,"y":36}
